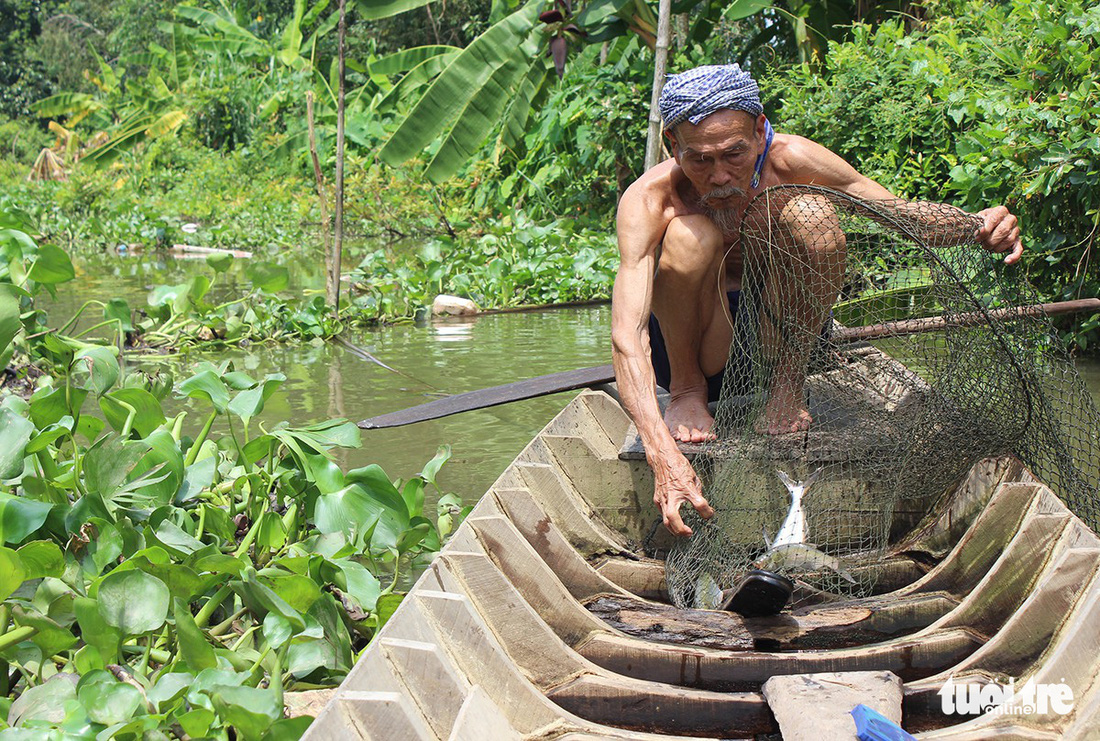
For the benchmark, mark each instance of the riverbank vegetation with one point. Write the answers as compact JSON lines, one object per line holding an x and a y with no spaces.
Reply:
{"x":186,"y":115}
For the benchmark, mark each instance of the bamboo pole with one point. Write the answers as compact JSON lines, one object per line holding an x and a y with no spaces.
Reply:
{"x":660,"y":62}
{"x":332,"y":288}
{"x":338,"y":241}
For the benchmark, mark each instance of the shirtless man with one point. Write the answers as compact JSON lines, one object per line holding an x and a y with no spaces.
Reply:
{"x":677,"y":228}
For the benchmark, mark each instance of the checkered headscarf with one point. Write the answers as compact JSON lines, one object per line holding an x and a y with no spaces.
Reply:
{"x":697,"y":93}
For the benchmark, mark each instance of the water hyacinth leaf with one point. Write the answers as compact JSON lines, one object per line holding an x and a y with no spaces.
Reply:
{"x":106,"y":544}
{"x":300,"y":592}
{"x":106,"y":700}
{"x":219,"y":563}
{"x":250,"y":402}
{"x":431,"y":468}
{"x":333,"y":651}
{"x":99,"y":366}
{"x":49,"y":406}
{"x":277,"y":630}
{"x":169,"y":687}
{"x":133,"y":602}
{"x":288,"y":729}
{"x":197,"y":653}
{"x":15,"y":433}
{"x":333,"y":433}
{"x":207,"y":385}
{"x":348,"y":511}
{"x":50,"y":637}
{"x":374,"y":481}
{"x":197,"y":477}
{"x":45,"y":702}
{"x":146,"y":414}
{"x":220,"y":262}
{"x":156,"y":478}
{"x":20,"y":516}
{"x":268,"y":277}
{"x":107,"y":463}
{"x":49,"y":434}
{"x":12,"y":573}
{"x":250,"y":711}
{"x":118,"y":310}
{"x":270,"y":532}
{"x":413,"y":494}
{"x":88,"y":659}
{"x":413,"y":535}
{"x":261,"y":600}
{"x":197,"y":723}
{"x":95,"y":630}
{"x":41,"y":558}
{"x":52,"y":266}
{"x":386,"y":607}
{"x":179,"y":542}
{"x":360,"y":584}
{"x":9,"y":317}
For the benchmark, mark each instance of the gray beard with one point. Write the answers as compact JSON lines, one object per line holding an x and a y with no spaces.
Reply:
{"x":728,"y":220}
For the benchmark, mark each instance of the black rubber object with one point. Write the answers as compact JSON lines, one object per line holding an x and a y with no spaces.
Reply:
{"x":759,"y":594}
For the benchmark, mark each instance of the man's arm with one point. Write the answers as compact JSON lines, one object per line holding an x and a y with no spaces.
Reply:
{"x":814,"y":164}
{"x":631,"y":301}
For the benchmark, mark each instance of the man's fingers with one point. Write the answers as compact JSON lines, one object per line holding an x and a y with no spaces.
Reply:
{"x":1017,"y":251}
{"x":699,"y":502}
{"x":675,"y":523}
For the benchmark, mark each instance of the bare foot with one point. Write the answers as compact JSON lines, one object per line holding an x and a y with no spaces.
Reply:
{"x":784,"y":414}
{"x":689,"y":420}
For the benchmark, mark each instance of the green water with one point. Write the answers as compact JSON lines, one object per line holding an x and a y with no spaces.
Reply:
{"x":443,"y":356}
{"x":448,"y":356}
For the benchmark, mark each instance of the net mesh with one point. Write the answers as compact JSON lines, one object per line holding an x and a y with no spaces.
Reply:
{"x":915,"y":355}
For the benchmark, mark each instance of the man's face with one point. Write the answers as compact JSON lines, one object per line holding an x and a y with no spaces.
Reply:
{"x":718,"y":155}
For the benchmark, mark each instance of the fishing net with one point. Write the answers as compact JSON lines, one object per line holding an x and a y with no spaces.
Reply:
{"x":957,"y":371}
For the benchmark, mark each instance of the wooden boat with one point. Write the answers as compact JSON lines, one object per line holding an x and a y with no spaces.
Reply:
{"x":542,"y":619}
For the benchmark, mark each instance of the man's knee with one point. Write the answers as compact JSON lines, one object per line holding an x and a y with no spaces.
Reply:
{"x":812,"y":221}
{"x":692,"y":246}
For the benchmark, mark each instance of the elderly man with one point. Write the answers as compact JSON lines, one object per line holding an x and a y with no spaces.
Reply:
{"x":678,"y":242}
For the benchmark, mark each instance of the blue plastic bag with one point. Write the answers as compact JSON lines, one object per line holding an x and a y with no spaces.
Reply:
{"x":872,"y":725}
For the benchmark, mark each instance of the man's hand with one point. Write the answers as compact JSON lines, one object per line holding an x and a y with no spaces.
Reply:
{"x":1000,"y":233}
{"x":677,"y":483}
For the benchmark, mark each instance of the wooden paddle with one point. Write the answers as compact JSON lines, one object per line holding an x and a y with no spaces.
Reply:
{"x":588,"y":377}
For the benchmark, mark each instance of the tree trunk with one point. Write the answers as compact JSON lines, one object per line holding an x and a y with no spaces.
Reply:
{"x":338,"y":241}
{"x":331,"y":287}
{"x":660,"y":60}
{"x":683,"y":28}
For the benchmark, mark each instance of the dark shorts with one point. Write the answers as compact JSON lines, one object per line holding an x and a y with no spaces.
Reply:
{"x":659,"y":354}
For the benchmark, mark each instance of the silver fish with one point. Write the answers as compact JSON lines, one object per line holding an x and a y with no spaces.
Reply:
{"x":707,"y":594}
{"x":789,"y":551}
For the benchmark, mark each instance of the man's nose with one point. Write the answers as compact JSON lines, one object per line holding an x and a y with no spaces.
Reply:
{"x":720,"y":177}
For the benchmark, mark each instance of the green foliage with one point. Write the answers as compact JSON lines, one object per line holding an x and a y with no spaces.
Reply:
{"x":515,"y":262}
{"x":997,"y":105}
{"x":212,"y":572}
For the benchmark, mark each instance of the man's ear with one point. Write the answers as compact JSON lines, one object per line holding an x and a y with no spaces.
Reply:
{"x":761,"y":128}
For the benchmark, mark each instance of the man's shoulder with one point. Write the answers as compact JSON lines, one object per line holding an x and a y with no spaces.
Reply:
{"x":655,"y":193}
{"x":791,"y":154}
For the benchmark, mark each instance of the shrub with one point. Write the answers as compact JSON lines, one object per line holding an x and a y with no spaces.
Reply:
{"x":998,"y":104}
